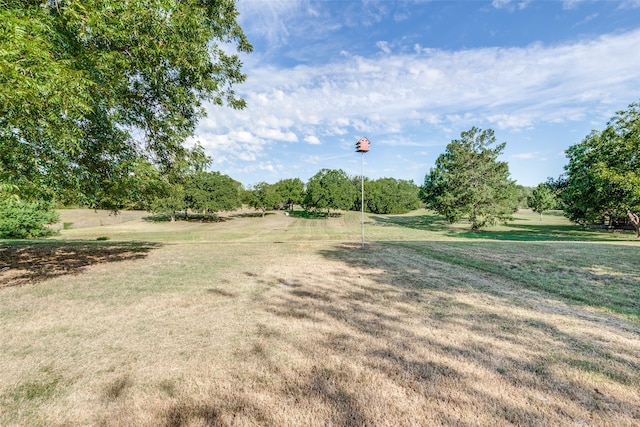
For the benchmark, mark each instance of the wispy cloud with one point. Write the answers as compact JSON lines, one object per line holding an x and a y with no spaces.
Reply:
{"x":507,"y":88}
{"x":510,"y":4}
{"x":526,"y":156}
{"x":316,"y":97}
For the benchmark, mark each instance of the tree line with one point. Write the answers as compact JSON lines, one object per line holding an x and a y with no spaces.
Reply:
{"x":207,"y":193}
{"x":98,"y":98}
{"x":600,"y":186}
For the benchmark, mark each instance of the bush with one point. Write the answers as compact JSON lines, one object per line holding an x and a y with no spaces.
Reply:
{"x":25,"y":220}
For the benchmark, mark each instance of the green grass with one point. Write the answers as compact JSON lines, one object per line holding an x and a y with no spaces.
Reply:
{"x":595,"y":274}
{"x":526,"y":226}
{"x":284,"y":320}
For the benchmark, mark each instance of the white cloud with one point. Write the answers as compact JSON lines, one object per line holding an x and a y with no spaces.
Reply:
{"x":571,"y":4}
{"x":499,"y":4}
{"x":384,"y":46}
{"x":510,"y":5}
{"x":510,"y":88}
{"x":269,"y":18}
{"x":312,"y":139}
{"x":630,"y":4}
{"x":510,"y":121}
{"x":524,"y":156}
{"x":276,"y":134}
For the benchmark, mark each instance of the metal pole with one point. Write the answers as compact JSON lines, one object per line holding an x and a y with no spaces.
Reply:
{"x":362,"y":195}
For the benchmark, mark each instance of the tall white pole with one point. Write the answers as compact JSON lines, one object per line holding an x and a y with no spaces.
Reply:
{"x":362,"y":194}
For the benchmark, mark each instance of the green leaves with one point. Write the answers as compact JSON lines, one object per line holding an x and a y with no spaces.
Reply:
{"x":91,"y":88}
{"x":21,"y":220}
{"x":263,"y":196}
{"x":290,"y":191}
{"x":212,"y":192}
{"x":390,"y":196}
{"x":469,"y":182}
{"x":603,"y":173}
{"x":330,"y":189}
{"x":541,"y":199}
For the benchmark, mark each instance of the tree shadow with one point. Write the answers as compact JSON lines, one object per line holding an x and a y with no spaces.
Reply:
{"x":541,"y":232}
{"x":366,"y":319}
{"x":210,"y":414}
{"x":23,"y":263}
{"x":592,"y":274}
{"x":192,"y":217}
{"x":251,"y":215}
{"x":416,"y":222}
{"x":528,"y":231}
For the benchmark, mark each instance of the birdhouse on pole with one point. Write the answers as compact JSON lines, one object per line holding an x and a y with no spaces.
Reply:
{"x":362,"y":146}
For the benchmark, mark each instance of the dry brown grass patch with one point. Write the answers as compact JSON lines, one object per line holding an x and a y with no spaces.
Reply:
{"x":310,"y":334}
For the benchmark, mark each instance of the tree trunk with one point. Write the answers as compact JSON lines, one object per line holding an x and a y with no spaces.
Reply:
{"x":635,"y":220}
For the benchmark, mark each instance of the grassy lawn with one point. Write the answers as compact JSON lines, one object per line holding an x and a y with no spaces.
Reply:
{"x":284,"y":321}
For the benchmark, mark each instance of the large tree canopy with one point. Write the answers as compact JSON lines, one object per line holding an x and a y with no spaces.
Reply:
{"x":212,"y":192}
{"x":469,"y":182}
{"x":388,"y":196}
{"x":89,"y":88}
{"x":329,"y":189}
{"x":290,"y":191}
{"x":262,"y":196}
{"x":603,"y":173}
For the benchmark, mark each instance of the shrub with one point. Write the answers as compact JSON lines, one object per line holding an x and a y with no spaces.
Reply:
{"x":23,"y":220}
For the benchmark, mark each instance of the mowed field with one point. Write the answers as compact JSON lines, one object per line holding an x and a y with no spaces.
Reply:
{"x":285,"y":321}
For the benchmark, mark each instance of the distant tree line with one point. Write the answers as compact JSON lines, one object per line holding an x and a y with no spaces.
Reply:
{"x":334,"y":189}
{"x":600,"y":186}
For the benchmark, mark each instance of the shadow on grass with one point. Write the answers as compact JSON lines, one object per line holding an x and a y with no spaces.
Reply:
{"x":251,"y":215}
{"x":597,"y":275}
{"x":182,"y":217}
{"x":416,"y":222}
{"x":530,"y":231}
{"x":311,"y":214}
{"x":28,"y":262}
{"x":369,"y":308}
{"x":534,"y":232}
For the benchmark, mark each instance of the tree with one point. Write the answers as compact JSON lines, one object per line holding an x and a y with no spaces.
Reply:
{"x":557,"y":187}
{"x":212,"y":192}
{"x":91,"y":88}
{"x":541,"y":199}
{"x":290,"y":192}
{"x":329,"y":189}
{"x":172,"y":202}
{"x":263,"y":196}
{"x":469,"y":182}
{"x":523,"y":194}
{"x":389,"y":196}
{"x":603,"y":173}
{"x":20,"y":219}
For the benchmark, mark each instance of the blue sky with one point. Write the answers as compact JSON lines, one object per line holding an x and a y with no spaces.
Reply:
{"x":411,"y":75}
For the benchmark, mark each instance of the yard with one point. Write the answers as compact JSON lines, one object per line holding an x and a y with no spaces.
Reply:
{"x":285,"y":321}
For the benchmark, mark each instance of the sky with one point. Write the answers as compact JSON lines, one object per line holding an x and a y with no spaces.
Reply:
{"x":412,"y":75}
